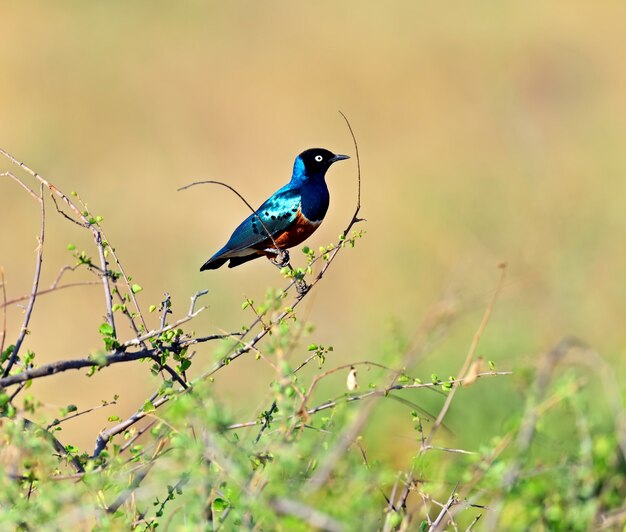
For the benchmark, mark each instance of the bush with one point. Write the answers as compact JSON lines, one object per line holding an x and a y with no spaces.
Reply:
{"x":184,"y":460}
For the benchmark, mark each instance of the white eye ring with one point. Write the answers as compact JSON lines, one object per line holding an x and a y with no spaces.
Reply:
{"x":319,"y":158}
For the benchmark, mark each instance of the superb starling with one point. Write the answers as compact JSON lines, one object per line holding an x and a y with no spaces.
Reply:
{"x":290,"y":215}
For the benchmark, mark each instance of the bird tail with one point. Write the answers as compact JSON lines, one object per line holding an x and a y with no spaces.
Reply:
{"x":218,"y":260}
{"x":236,"y":261}
{"x":213,"y":263}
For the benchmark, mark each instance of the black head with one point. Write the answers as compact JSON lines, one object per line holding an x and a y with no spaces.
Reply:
{"x":315,"y":162}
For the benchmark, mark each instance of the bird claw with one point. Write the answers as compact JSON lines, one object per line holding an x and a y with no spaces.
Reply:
{"x":282,"y":258}
{"x":301,"y":287}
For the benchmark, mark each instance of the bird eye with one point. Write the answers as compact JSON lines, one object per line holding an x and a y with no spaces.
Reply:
{"x":319,"y":158}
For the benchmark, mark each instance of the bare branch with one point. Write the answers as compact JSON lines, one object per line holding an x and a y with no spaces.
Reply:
{"x":58,"y":446}
{"x":194,"y":298}
{"x":65,"y":365}
{"x":445,"y":510}
{"x":470,"y":353}
{"x":4,"y":312}
{"x":33,"y":295}
{"x":471,"y":525}
{"x":56,"y":422}
{"x":233,"y":189}
{"x":21,"y":183}
{"x":156,"y":332}
{"x":105,"y":283}
{"x":385,"y":392}
{"x":358,"y":165}
{"x":8,"y":303}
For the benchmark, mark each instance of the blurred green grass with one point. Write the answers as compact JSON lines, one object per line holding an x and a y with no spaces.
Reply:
{"x":488,"y":132}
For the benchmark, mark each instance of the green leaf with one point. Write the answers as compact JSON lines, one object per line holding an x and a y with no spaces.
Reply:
{"x":136,"y":288}
{"x":152,"y":308}
{"x":184,"y":365}
{"x":4,"y":399}
{"x":106,"y":329}
{"x":220,"y":504}
{"x":114,"y":418}
{"x":312,"y":347}
{"x":71,"y":247}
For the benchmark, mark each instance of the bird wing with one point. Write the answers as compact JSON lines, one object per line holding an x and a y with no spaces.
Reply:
{"x":277,"y":213}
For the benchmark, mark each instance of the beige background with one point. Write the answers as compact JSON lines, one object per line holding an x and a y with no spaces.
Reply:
{"x":488,"y":132}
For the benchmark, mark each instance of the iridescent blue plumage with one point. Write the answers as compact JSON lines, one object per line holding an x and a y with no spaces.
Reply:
{"x":290,"y":215}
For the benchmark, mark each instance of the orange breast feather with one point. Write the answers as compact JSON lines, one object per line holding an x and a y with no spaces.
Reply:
{"x":298,"y":232}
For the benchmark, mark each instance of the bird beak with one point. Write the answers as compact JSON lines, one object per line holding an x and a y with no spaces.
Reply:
{"x":339,"y":157}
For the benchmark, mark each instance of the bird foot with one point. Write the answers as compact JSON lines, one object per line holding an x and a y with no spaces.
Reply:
{"x":302,"y":287}
{"x":281,"y":259}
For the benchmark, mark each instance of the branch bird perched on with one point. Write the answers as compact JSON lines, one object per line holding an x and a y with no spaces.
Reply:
{"x":290,"y":215}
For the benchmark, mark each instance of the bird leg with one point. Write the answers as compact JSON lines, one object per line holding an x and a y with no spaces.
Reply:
{"x":281,"y":260}
{"x":301,"y":287}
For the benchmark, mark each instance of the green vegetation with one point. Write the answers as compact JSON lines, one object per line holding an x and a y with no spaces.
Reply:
{"x":489,"y":132}
{"x":185,"y":459}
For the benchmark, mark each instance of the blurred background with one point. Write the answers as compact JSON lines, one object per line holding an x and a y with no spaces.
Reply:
{"x":488,"y":132}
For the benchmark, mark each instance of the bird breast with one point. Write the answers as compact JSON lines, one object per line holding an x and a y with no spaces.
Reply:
{"x":301,"y":229}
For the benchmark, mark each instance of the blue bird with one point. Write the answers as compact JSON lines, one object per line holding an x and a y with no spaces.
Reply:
{"x":290,"y":215}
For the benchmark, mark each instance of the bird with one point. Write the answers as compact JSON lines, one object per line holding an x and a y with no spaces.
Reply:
{"x":290,"y":215}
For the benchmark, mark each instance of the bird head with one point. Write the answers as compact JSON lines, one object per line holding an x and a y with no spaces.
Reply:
{"x":314,"y":162}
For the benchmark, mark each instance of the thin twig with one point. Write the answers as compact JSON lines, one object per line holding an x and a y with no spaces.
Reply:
{"x":56,"y":422}
{"x":58,"y":446}
{"x":470,"y":354}
{"x":4,"y":312}
{"x":175,"y":376}
{"x":137,"y":435}
{"x":233,"y":189}
{"x":156,"y":332}
{"x":137,"y":480}
{"x":452,"y":500}
{"x":129,"y":288}
{"x":105,"y":284}
{"x":358,"y":164}
{"x":194,"y":298}
{"x":471,"y":525}
{"x":95,"y":228}
{"x":8,"y":303}
{"x":166,"y":308}
{"x":21,"y":183}
{"x":33,"y":295}
{"x":385,"y":392}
